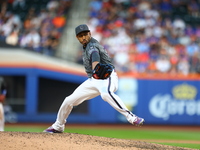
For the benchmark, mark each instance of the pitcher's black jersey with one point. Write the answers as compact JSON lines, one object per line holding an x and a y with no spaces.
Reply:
{"x":94,"y":46}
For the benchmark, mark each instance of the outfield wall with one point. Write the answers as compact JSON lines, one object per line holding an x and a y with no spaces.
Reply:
{"x":166,"y":101}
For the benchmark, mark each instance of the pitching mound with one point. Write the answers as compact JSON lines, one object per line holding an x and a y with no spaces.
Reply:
{"x":71,"y":141}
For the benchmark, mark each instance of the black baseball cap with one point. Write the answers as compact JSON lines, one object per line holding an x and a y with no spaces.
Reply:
{"x":81,"y":28}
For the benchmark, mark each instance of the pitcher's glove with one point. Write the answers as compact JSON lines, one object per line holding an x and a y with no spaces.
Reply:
{"x":102,"y":71}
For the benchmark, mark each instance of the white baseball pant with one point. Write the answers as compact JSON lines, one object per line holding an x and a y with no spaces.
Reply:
{"x":88,"y":90}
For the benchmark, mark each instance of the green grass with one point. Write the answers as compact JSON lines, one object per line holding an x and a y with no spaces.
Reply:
{"x":147,"y":134}
{"x":139,"y":134}
{"x":186,"y":145}
{"x":125,"y":134}
{"x":24,"y":128}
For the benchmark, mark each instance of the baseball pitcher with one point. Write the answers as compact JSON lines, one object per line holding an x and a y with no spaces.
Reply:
{"x":102,"y":80}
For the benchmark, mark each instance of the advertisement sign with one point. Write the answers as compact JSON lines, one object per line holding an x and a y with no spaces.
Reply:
{"x":169,"y":102}
{"x":127,"y":91}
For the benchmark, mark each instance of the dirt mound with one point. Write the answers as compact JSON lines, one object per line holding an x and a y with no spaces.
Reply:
{"x":72,"y":141}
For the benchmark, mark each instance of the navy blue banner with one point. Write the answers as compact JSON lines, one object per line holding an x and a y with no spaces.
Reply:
{"x":169,"y":101}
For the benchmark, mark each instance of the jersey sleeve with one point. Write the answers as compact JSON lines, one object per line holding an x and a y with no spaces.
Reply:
{"x":95,"y":57}
{"x":94,"y":54}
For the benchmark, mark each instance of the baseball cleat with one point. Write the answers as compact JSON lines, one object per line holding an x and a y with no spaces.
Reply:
{"x":138,"y":121}
{"x":52,"y":130}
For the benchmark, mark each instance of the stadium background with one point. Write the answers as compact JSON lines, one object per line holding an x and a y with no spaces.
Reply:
{"x":39,"y":76}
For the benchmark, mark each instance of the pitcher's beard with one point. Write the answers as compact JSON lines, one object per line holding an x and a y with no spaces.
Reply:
{"x":84,"y":45}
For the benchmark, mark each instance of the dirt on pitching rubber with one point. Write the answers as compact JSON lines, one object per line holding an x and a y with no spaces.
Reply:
{"x":72,"y":141}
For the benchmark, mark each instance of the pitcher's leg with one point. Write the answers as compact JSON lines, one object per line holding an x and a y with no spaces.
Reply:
{"x":82,"y":93}
{"x":107,"y":94}
{"x":118,"y":105}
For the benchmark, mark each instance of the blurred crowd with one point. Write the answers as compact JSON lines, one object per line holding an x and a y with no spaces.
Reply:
{"x":35,"y":25}
{"x":148,"y":36}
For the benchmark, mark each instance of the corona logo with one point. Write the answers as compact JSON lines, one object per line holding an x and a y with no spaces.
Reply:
{"x":184,"y":92}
